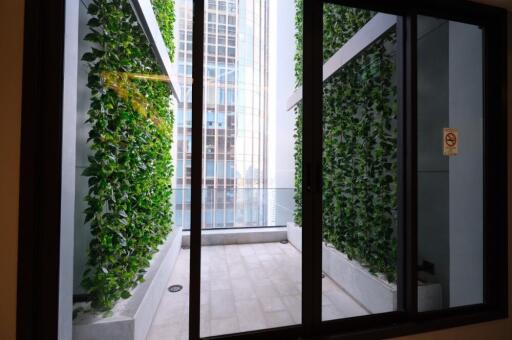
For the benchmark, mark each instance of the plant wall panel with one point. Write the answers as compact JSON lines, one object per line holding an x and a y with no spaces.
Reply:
{"x":359,"y":146}
{"x":130,"y":167}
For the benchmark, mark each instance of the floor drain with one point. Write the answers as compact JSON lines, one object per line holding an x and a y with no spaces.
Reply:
{"x":175,"y":288}
{"x":323,"y":276}
{"x":284,"y":241}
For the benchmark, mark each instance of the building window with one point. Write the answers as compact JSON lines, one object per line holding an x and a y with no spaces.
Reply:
{"x":210,"y":168}
{"x":221,"y":98}
{"x":189,"y":144}
{"x":179,"y":168}
{"x":179,"y":117}
{"x":220,"y":120}
{"x":231,"y":97}
{"x":231,"y":7}
{"x":188,"y":172}
{"x":230,"y":169}
{"x":210,"y":119}
{"x":220,"y":169}
{"x":188,"y":118}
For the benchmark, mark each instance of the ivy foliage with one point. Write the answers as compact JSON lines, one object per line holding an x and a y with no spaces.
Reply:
{"x":359,"y":147}
{"x":297,"y":133}
{"x":130,"y":166}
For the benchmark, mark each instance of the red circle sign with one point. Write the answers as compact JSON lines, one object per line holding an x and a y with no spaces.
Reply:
{"x":450,"y":139}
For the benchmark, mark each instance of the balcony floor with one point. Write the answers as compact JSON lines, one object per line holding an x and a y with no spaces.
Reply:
{"x":244,"y":287}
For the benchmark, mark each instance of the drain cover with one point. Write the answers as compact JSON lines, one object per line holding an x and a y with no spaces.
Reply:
{"x":175,"y":288}
{"x":323,"y":276}
{"x":284,"y":241}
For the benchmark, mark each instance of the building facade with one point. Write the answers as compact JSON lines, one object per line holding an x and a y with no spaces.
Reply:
{"x":235,"y":110}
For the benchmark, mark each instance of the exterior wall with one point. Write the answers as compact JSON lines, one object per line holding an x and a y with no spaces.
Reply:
{"x":281,"y":123}
{"x":11,"y":44}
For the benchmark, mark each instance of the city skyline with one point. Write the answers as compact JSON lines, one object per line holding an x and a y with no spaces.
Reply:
{"x":235,"y":119}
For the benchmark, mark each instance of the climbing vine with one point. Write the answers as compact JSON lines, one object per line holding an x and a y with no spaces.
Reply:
{"x":360,"y":144}
{"x":130,"y":166}
{"x":297,"y":195}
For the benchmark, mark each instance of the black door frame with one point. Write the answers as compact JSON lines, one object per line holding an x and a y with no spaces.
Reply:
{"x":197,"y":153}
{"x":40,"y":174}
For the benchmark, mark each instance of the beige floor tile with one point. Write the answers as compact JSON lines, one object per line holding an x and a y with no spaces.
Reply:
{"x":278,"y":319}
{"x":224,"y":326}
{"x":272,"y":304}
{"x":222,"y":305}
{"x":244,"y":287}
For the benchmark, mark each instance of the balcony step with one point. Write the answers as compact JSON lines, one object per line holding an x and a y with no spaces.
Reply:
{"x":214,"y":237}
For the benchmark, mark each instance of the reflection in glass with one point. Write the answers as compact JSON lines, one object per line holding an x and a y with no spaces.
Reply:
{"x":450,"y":156}
{"x":359,"y":163}
{"x":249,"y":280}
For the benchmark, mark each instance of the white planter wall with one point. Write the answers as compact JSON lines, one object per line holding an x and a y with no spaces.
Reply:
{"x":237,"y":236}
{"x":373,"y":292}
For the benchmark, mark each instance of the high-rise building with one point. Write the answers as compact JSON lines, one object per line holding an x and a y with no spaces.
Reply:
{"x":235,"y":113}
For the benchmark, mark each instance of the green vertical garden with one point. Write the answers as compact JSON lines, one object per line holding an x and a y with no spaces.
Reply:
{"x":130,"y":166}
{"x":360,"y":144}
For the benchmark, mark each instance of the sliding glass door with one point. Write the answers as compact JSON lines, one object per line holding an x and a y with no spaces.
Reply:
{"x":389,"y":167}
{"x":360,"y":168}
{"x":450,"y":173}
{"x":250,"y":275}
{"x":246,"y":274}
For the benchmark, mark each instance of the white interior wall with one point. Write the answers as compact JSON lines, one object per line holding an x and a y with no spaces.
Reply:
{"x":466,"y":169}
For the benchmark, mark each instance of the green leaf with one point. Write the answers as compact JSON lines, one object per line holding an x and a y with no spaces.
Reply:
{"x":88,"y":57}
{"x":359,"y":160}
{"x":92,"y":37}
{"x":93,"y":22}
{"x":92,"y":9}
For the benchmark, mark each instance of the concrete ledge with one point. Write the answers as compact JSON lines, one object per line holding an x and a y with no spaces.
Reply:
{"x":132,"y":318}
{"x":214,"y":237}
{"x":294,"y":235}
{"x":373,"y":292}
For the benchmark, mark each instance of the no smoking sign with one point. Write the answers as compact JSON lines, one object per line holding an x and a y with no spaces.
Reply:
{"x":450,"y":141}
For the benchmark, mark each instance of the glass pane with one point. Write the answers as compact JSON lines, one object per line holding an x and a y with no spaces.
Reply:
{"x":249,"y":279}
{"x":450,"y":164}
{"x":359,"y":163}
{"x":132,"y":169}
